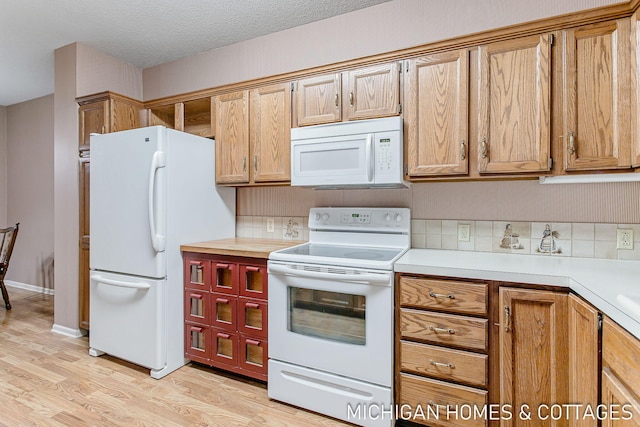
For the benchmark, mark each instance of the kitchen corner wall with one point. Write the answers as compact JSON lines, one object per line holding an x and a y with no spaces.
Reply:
{"x":3,"y":166}
{"x":30,"y":189}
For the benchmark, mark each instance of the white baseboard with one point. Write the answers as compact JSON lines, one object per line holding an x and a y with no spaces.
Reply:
{"x":69,"y":332}
{"x":28,"y":287}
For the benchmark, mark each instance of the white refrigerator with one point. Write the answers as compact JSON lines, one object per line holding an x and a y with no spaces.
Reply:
{"x":152,"y":189}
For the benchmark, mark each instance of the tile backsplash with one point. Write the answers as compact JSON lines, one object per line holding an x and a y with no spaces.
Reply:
{"x":585,"y":240}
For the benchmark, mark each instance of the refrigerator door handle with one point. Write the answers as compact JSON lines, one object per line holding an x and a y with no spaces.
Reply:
{"x":120,"y":283}
{"x":157,"y":241}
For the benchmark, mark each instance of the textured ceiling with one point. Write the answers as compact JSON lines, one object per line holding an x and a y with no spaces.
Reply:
{"x":142,"y":32}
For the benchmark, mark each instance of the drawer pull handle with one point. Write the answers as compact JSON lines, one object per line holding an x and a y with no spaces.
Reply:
{"x":222,"y":300}
{"x":436,"y":405}
{"x":435,"y":295}
{"x":444,"y":330}
{"x":223,"y":336}
{"x":443,"y":365}
{"x":252,"y":342}
{"x":222,"y":266}
{"x":252,"y":305}
{"x":507,"y":318}
{"x":252,"y":269}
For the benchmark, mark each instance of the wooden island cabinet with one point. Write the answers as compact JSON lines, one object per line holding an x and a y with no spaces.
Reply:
{"x":226,"y":300}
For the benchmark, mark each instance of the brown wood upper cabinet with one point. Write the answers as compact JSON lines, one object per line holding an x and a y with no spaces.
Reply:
{"x":373,"y":92}
{"x":596,"y":94}
{"x":270,"y":136}
{"x":514,"y":129}
{"x":253,"y":134}
{"x":318,"y":100}
{"x":533,"y":351}
{"x":232,"y":138}
{"x":436,"y":114}
{"x":361,"y":93}
{"x":635,"y":89}
{"x":106,"y":112}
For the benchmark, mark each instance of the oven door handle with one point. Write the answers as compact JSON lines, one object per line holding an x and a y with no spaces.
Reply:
{"x":372,"y":279}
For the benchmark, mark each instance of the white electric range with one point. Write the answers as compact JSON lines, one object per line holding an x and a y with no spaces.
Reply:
{"x":331,"y":314}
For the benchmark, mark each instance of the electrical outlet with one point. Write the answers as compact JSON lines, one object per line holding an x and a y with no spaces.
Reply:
{"x":271,"y":225}
{"x":464,"y":232}
{"x":624,"y":238}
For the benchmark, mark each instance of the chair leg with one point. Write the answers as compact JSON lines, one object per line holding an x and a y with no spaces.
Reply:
{"x":5,"y":295}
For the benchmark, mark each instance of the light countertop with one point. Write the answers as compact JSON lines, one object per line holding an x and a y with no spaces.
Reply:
{"x":240,"y":246}
{"x":601,"y":282}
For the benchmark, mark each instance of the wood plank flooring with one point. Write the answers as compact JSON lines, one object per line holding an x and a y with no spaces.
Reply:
{"x":47,"y":379}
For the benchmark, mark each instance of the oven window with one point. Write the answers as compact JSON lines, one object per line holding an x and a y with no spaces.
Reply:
{"x":329,"y":315}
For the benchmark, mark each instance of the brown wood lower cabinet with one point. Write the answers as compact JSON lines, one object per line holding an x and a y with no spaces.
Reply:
{"x":441,"y":351}
{"x":620,"y":376}
{"x":226,"y":313}
{"x":476,"y":353}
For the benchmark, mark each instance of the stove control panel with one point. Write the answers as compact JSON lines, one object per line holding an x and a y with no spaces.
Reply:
{"x":362,"y":218}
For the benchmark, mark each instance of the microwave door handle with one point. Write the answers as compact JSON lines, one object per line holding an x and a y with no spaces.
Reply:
{"x":365,"y":278}
{"x":369,"y":157}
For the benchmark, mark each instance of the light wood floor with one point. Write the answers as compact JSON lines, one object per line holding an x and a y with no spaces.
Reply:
{"x":47,"y":379}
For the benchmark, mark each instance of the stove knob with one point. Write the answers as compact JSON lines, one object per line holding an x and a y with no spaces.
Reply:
{"x":325,"y":216}
{"x":398,"y":217}
{"x":387,"y":217}
{"x":317,"y":217}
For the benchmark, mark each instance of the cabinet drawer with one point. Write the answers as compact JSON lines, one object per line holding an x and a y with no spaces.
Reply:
{"x":224,"y":311}
{"x":422,"y":392}
{"x":440,"y":328}
{"x":621,"y":353}
{"x":253,"y":354}
{"x":252,"y":317}
{"x":224,"y":348}
{"x":253,"y":281}
{"x":225,"y":277}
{"x":196,"y":306}
{"x":197,"y":273}
{"x":444,"y":363}
{"x":197,"y":346}
{"x":454,"y":296}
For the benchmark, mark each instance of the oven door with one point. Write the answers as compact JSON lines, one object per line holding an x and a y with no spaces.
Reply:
{"x":334,"y":319}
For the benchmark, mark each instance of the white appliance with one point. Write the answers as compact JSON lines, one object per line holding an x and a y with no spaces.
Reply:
{"x":362,"y":154}
{"x":331,"y":314}
{"x":152,"y":189}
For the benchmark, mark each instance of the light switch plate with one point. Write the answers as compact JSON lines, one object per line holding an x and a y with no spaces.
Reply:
{"x":624,"y":238}
{"x":464,"y":232}
{"x":270,"y":225}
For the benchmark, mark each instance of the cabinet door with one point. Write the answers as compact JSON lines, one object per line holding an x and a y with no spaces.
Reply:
{"x":84,"y":272}
{"x":436,"y":114}
{"x":123,"y":115}
{"x":271,"y":133}
{"x":232,"y":138}
{"x":514,"y":105}
{"x":533,"y":351}
{"x":596,"y":93}
{"x":583,"y":357}
{"x":616,"y":395}
{"x":94,"y":118}
{"x":373,"y":92}
{"x":318,"y":100}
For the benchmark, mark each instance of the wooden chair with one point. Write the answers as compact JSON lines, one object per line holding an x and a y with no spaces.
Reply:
{"x":7,"y":240}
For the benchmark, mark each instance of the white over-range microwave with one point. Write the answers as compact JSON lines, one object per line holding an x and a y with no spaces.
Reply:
{"x":361,"y":154}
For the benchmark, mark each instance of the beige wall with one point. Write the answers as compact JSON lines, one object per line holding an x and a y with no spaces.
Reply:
{"x":3,"y":166}
{"x":30,"y":190}
{"x":481,"y":200}
{"x":382,"y":28}
{"x":98,"y":72}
